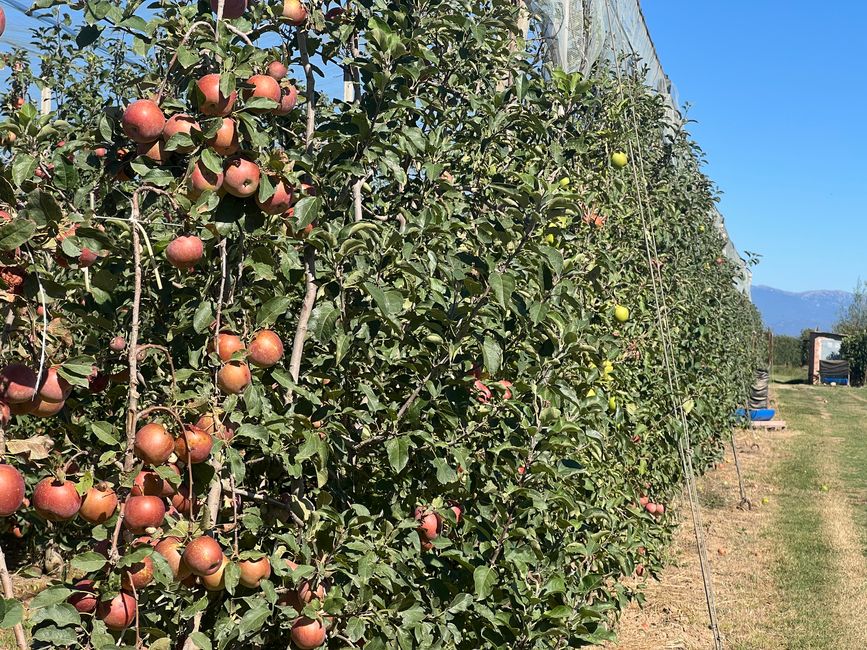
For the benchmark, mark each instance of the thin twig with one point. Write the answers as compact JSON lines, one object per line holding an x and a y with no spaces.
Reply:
{"x":263,"y":498}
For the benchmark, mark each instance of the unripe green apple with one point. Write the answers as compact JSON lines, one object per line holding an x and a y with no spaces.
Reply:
{"x":619,"y":159}
{"x":621,"y":313}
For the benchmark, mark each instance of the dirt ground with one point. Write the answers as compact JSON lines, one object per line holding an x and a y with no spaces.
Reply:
{"x":675,"y":614}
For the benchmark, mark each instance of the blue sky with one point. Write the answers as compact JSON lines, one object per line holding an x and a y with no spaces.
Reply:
{"x":778,"y":90}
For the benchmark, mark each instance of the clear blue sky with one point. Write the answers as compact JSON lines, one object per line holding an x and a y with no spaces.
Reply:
{"x":779,"y":92}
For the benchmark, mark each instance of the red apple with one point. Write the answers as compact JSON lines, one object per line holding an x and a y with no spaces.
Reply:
{"x":11,"y":490}
{"x":263,"y":86}
{"x":54,"y":387}
{"x":17,"y":383}
{"x":241,"y":177}
{"x":56,"y":500}
{"x":231,"y":8}
{"x":294,"y":12}
{"x":202,"y":179}
{"x":277,"y":70}
{"x":266,"y":349}
{"x":155,"y":151}
{"x":119,"y":612}
{"x":181,"y":123}
{"x":141,"y":513}
{"x":143,"y":121}
{"x":225,"y":140}
{"x":212,"y":101}
{"x":288,"y":99}
{"x":280,"y":201}
{"x":185,"y":252}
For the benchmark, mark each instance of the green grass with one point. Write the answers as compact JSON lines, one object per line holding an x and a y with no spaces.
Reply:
{"x":789,"y":374}
{"x":803,"y":568}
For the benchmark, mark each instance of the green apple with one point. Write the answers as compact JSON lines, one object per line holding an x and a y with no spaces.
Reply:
{"x":619,"y":159}
{"x":621,"y":313}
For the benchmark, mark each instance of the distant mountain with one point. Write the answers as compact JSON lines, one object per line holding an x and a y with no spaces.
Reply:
{"x":786,"y":312}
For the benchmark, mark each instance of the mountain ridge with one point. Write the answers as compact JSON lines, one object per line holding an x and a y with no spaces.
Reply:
{"x":790,"y":312}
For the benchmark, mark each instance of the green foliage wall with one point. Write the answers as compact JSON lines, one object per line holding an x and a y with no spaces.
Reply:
{"x":495,"y":235}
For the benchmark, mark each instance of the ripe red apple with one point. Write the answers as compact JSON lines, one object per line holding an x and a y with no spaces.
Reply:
{"x":430,"y":524}
{"x":119,"y":612}
{"x":202,"y":179}
{"x":335,"y":14}
{"x":153,"y":444}
{"x":643,"y":501}
{"x":185,"y":252}
{"x":288,"y":99}
{"x":181,"y":123}
{"x":222,"y":430}
{"x":17,"y":383}
{"x":11,"y":490}
{"x":277,"y":70}
{"x":100,"y":152}
{"x":203,"y":556}
{"x":97,"y":381}
{"x":194,"y":445}
{"x":56,"y":500}
{"x":660,"y":509}
{"x":225,"y":140}
{"x":263,"y":86}
{"x":241,"y":177}
{"x":148,"y":483}
{"x":234,"y":377}
{"x":212,"y":101}
{"x":41,"y":408}
{"x":117,"y":344}
{"x":141,"y":513}
{"x":307,"y":633}
{"x":168,"y":548}
{"x":155,"y":151}
{"x":143,"y":121}
{"x":84,"y":600}
{"x":651,"y":508}
{"x":459,"y":512}
{"x":216,"y":581}
{"x":54,"y":387}
{"x":185,"y":503}
{"x":138,"y":575}
{"x":253,"y":572}
{"x":2,"y":21}
{"x":231,"y":8}
{"x":5,"y":414}
{"x":294,"y":12}
{"x":98,"y":505}
{"x":226,"y":345}
{"x":280,"y":201}
{"x":266,"y":349}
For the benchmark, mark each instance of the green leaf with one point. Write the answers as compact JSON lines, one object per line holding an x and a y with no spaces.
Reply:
{"x":460,"y":603}
{"x":307,"y":211}
{"x":203,"y":317}
{"x":212,"y":161}
{"x":253,"y":619}
{"x":15,"y":233}
{"x":61,"y":614}
{"x":23,"y":168}
{"x":272,"y":310}
{"x":89,"y":562}
{"x":398,"y":452}
{"x":492,"y":355}
{"x":201,"y":641}
{"x":105,"y":432}
{"x":51,"y":596}
{"x":187,"y":58}
{"x":57,"y":637}
{"x":11,"y":612}
{"x":231,"y":577}
{"x":502,"y":287}
{"x":484,"y":578}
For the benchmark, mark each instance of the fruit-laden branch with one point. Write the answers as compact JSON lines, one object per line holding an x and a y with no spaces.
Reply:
{"x":133,"y":396}
{"x":309,"y":251}
{"x":5,"y":578}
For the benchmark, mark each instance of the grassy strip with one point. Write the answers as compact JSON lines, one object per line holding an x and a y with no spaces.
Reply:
{"x":803,"y":568}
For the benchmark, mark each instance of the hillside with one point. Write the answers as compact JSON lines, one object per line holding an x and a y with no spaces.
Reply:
{"x":787,"y":312}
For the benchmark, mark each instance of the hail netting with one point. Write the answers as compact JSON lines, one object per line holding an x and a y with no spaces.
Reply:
{"x":581,"y":35}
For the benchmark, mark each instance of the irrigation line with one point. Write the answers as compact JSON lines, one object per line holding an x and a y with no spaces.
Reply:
{"x":661,"y":307}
